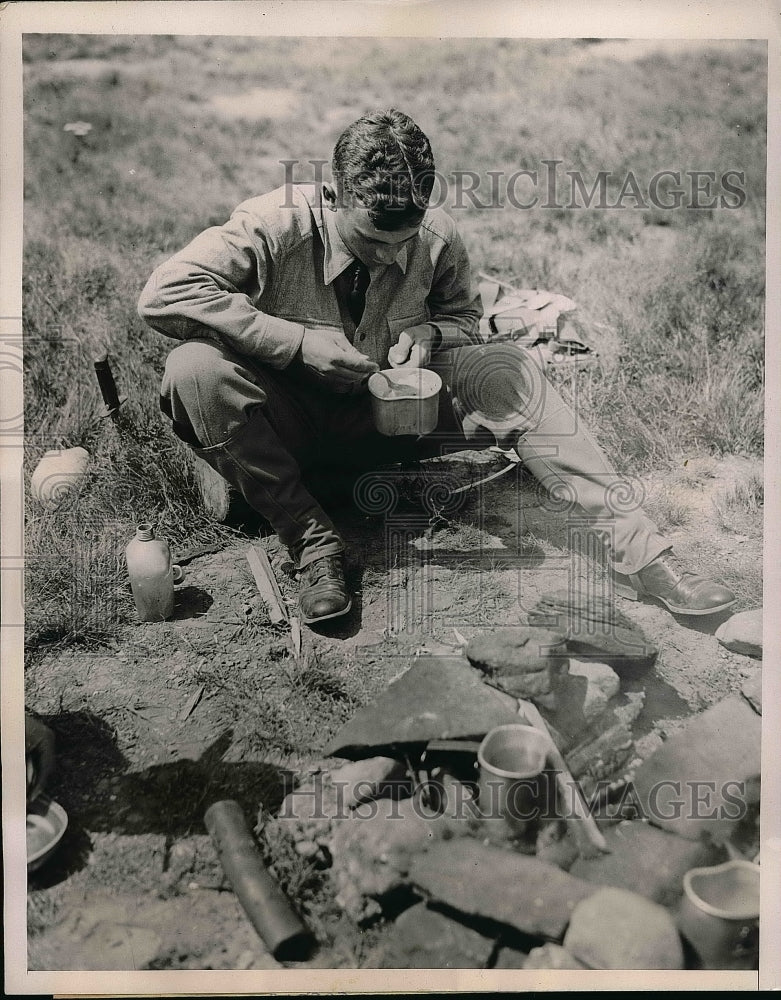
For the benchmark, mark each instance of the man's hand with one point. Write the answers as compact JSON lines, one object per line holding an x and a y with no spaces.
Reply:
{"x":414,"y":348}
{"x":38,"y":755}
{"x":332,"y":355}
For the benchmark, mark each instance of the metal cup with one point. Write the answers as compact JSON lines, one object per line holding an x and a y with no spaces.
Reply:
{"x":512,"y":762}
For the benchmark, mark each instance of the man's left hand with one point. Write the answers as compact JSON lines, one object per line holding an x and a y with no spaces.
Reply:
{"x":414,"y":347}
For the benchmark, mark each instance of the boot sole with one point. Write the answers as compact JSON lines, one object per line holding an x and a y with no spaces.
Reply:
{"x":325,"y":618}
{"x":630,"y":593}
{"x":698,"y":611}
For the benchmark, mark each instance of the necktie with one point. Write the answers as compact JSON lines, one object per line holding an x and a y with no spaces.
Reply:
{"x":356,"y":298}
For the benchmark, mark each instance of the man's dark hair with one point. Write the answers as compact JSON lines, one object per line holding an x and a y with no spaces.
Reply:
{"x":384,"y":162}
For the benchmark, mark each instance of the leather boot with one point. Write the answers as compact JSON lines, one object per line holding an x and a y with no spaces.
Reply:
{"x":322,"y":592}
{"x":679,"y":589}
{"x":256,"y":464}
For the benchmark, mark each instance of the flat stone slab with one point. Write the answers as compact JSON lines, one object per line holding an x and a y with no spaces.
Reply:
{"x":422,"y":938}
{"x":503,"y":886}
{"x":593,"y":627}
{"x":617,"y":929}
{"x":649,"y":860}
{"x":692,"y":784}
{"x":439,"y":697}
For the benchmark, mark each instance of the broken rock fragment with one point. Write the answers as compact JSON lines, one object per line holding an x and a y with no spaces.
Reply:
{"x":526,"y":662}
{"x":602,"y":684}
{"x":371,"y":850}
{"x":499,"y":885}
{"x":617,"y":929}
{"x":582,"y":695}
{"x":551,"y":956}
{"x":742,"y":633}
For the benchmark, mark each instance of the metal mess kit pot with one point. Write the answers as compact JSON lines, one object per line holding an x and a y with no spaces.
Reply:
{"x":719,"y":913}
{"x":412,"y":409}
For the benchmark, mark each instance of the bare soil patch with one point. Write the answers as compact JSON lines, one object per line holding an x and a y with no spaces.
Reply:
{"x":213,"y":704}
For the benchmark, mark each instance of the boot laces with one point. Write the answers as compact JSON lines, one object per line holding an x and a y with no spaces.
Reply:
{"x":673,"y":563}
{"x":327,"y":566}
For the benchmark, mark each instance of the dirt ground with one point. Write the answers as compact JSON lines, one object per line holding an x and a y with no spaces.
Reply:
{"x":188,"y":711}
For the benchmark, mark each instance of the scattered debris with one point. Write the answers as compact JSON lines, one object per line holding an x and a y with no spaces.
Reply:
{"x":372,"y":855}
{"x":267,"y":584}
{"x":78,"y":128}
{"x":192,"y":702}
{"x":601,"y":757}
{"x":533,"y":319}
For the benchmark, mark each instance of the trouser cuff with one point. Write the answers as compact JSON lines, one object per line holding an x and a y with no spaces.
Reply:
{"x":313,"y":553}
{"x":628,"y":566}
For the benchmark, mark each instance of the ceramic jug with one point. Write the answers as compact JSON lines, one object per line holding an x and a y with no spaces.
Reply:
{"x":152,"y":574}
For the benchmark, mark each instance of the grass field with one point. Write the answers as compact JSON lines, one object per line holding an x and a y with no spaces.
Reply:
{"x":675,"y":298}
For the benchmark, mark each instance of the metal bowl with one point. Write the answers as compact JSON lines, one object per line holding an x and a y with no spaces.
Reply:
{"x":47,"y":822}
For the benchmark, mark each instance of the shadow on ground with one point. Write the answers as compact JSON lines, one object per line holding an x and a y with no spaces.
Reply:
{"x":99,"y":794}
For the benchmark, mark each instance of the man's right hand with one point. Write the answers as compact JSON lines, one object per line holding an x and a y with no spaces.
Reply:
{"x":333,"y":357}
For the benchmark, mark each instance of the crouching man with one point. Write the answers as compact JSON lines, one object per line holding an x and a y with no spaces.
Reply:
{"x":286,"y":310}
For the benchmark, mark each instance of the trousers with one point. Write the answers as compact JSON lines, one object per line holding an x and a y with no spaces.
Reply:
{"x":264,"y":429}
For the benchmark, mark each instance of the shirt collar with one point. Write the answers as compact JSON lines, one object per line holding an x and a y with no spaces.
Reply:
{"x":337,"y":257}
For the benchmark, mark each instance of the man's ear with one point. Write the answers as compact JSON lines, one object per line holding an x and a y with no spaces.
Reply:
{"x":329,"y":196}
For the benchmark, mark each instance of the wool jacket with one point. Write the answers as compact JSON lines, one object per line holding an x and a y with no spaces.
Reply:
{"x":270,"y":272}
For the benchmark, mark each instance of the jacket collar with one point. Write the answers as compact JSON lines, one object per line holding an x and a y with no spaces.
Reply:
{"x":337,"y":257}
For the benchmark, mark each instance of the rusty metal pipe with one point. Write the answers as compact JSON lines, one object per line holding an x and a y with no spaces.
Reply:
{"x":263,"y":901}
